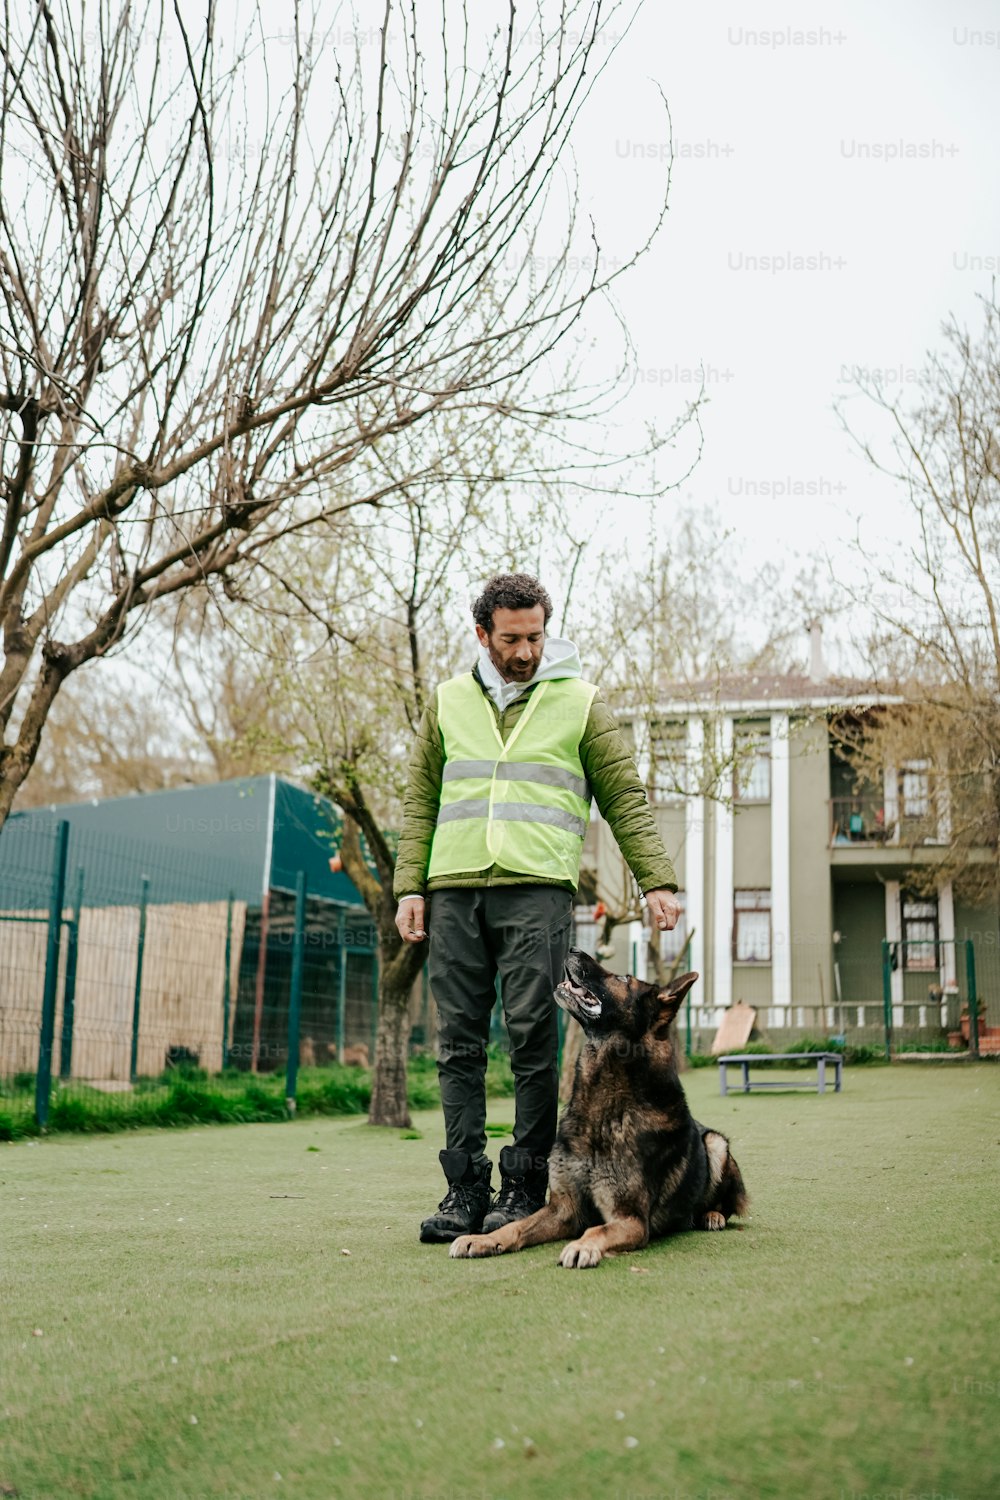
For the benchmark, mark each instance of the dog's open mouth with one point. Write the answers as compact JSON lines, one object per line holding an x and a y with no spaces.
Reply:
{"x":573,"y":996}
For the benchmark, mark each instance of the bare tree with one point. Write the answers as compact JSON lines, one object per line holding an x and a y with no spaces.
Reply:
{"x":352,"y":641}
{"x":192,"y":713}
{"x":233,"y":266}
{"x":935,"y":604}
{"x":350,"y":683}
{"x":677,"y":630}
{"x":107,"y":739}
{"x":677,"y":626}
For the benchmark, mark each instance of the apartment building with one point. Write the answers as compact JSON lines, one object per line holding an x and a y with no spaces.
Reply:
{"x":790,"y":876}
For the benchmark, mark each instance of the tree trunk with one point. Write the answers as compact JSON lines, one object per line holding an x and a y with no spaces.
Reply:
{"x":572,"y":1047}
{"x":389,"y":1104}
{"x":678,"y":1044}
{"x":663,"y":976}
{"x":17,"y":760}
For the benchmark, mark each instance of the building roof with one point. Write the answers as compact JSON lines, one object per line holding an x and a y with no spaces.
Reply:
{"x":771,"y":690}
{"x":193,"y":843}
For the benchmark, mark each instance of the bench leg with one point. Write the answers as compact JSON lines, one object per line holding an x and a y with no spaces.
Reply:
{"x":746,"y":1077}
{"x":821,"y":1069}
{"x":723,"y":1082}
{"x":836,"y":1086}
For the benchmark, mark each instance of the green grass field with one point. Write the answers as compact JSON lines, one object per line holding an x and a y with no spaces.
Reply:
{"x":184,"y":1096}
{"x":180,"y":1320}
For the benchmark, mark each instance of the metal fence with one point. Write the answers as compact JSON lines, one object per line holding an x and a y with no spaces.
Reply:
{"x":894,"y":997}
{"x":123,"y":965}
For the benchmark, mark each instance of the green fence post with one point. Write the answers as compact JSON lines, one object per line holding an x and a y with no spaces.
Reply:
{"x":139,"y":955}
{"x":375,"y":1002}
{"x":496,"y":1014}
{"x":970,"y":971}
{"x":43,"y":1076}
{"x":226,"y":992}
{"x":687,"y":1002}
{"x":887,"y":996}
{"x":341,"y":982}
{"x":69,"y":984}
{"x":295,"y":998}
{"x":425,"y":1004}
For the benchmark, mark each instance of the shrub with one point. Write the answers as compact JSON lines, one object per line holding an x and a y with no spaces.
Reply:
{"x":341,"y":1091}
{"x":186,"y":1095}
{"x":854,"y":1055}
{"x":69,"y":1114}
{"x":499,"y":1078}
{"x":423,"y":1093}
{"x":264,"y":1104}
{"x":863,"y":1053}
{"x":187,"y":1103}
{"x":189,"y":1072}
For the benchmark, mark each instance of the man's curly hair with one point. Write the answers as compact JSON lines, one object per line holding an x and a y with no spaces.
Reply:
{"x":509,"y":591}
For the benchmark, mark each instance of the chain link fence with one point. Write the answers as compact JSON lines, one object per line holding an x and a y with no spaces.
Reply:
{"x":887,"y":998}
{"x":126,"y":969}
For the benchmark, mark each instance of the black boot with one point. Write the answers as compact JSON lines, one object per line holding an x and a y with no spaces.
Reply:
{"x":523,"y":1184}
{"x":463,"y":1207}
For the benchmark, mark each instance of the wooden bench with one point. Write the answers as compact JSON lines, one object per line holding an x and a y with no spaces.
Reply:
{"x":746,"y":1058}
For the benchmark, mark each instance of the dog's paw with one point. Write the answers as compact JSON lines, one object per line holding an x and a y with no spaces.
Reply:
{"x":714,"y":1221}
{"x":468,"y":1246}
{"x":580,"y":1256}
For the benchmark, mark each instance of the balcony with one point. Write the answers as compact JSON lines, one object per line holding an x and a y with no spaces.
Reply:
{"x":869,"y":820}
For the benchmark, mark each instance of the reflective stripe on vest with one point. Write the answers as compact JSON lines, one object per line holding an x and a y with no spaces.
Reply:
{"x":523,"y":805}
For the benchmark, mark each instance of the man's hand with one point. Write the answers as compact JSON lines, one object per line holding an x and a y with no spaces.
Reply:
{"x":410,"y":919}
{"x":664,"y":909}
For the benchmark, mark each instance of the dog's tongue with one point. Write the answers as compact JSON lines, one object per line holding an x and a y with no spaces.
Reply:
{"x":589,"y":1002}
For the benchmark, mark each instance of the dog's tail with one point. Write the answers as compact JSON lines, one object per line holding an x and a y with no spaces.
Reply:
{"x":728,"y":1193}
{"x":735,"y":1199}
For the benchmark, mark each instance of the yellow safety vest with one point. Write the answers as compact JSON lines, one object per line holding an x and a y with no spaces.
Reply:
{"x":523,"y":805}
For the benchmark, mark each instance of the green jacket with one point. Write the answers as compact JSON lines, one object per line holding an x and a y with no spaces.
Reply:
{"x":610,"y":769}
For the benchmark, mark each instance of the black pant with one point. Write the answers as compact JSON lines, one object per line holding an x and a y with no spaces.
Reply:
{"x":523,"y":933}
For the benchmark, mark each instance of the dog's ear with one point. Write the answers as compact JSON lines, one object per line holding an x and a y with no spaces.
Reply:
{"x":672,"y":997}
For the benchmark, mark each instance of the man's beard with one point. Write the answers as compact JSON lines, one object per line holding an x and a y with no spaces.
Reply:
{"x":516,"y":671}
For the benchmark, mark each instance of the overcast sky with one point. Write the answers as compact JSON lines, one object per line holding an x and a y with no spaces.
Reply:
{"x":834,"y":199}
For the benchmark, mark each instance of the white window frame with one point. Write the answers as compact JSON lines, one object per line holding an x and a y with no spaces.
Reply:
{"x":748,"y":907}
{"x":920,"y":913}
{"x":673,"y":943}
{"x":671,"y":787}
{"x":752,"y":771}
{"x":915,"y":789}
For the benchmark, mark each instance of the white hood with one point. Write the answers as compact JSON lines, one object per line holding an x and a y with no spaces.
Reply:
{"x":559,"y":659}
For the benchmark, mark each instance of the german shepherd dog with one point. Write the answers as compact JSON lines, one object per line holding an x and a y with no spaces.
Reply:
{"x":630,"y":1163}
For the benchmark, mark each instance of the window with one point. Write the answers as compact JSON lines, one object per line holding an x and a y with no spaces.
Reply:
{"x":751,"y":764}
{"x":668,"y":762}
{"x":920,"y":934}
{"x":672,"y":944}
{"x":915,"y":788}
{"x":752,"y":927}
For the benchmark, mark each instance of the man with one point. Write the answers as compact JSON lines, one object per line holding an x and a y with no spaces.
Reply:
{"x":507,"y":759}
